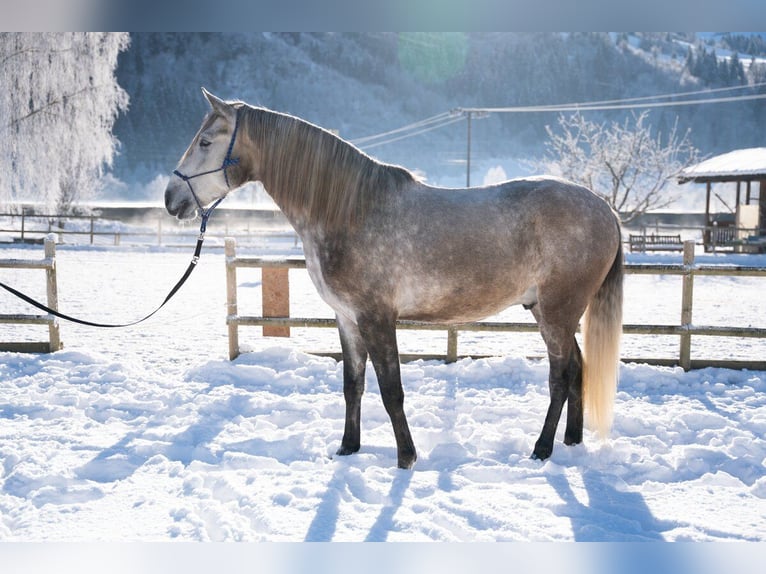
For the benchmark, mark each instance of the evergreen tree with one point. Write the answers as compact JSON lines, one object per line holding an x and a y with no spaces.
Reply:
{"x":737,"y":75}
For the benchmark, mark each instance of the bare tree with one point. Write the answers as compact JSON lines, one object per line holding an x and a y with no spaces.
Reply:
{"x":59,"y":99}
{"x":622,"y":162}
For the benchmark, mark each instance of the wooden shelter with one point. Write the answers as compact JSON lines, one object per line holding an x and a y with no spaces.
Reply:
{"x":746,"y":231}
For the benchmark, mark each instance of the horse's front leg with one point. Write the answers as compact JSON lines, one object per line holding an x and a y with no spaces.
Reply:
{"x":354,"y":364}
{"x":379,"y":334}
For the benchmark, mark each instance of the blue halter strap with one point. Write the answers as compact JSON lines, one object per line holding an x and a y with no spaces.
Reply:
{"x":228,"y":161}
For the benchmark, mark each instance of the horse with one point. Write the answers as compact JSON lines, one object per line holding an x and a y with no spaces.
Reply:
{"x":380,"y":246}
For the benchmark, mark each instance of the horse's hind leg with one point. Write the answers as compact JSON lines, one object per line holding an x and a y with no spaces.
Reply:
{"x":379,"y":334}
{"x":354,"y":365}
{"x":564,"y":382}
{"x":573,"y":434}
{"x":558,"y":387}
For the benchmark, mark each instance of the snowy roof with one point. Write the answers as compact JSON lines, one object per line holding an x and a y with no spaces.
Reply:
{"x":741,"y":164}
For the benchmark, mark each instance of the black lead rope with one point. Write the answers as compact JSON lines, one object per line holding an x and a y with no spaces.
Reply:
{"x":173,"y":291}
{"x":228,"y":162}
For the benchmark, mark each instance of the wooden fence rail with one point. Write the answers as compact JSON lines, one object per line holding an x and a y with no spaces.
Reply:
{"x":32,"y":228}
{"x":275,"y":287}
{"x":48,"y":263}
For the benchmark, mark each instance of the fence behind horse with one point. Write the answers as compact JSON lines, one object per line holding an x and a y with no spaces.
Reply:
{"x":48,"y":264}
{"x":273,"y":318}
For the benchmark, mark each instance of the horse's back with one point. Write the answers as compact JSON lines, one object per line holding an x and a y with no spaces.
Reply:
{"x":553,"y":200}
{"x":461,"y":255}
{"x":528,"y":218}
{"x":574,"y":234}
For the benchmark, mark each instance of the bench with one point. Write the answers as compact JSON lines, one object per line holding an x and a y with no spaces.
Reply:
{"x":653,"y":242}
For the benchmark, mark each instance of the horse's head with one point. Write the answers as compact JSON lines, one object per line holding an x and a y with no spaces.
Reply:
{"x":203,"y":175}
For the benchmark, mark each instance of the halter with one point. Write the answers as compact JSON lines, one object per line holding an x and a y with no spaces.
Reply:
{"x":228,"y":161}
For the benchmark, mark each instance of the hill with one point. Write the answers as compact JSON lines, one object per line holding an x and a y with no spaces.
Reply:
{"x":366,"y":83}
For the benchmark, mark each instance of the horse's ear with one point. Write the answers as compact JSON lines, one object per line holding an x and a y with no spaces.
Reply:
{"x":216,"y":103}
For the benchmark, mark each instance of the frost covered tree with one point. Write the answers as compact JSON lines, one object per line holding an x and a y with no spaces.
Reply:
{"x":623,"y":162}
{"x":58,"y":101}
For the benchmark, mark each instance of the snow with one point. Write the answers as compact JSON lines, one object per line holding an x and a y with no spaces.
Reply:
{"x":151,"y":434}
{"x":737,"y":163}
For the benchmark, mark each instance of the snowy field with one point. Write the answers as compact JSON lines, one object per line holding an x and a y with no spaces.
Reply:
{"x":150,"y":434}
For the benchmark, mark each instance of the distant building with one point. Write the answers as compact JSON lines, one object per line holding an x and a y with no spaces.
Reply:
{"x":746,"y":232}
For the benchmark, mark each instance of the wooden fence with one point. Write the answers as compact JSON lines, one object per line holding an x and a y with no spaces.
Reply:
{"x":48,"y":263}
{"x":33,"y":228}
{"x":275,"y":289}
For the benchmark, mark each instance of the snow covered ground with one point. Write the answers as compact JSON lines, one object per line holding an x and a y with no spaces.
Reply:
{"x":150,"y":434}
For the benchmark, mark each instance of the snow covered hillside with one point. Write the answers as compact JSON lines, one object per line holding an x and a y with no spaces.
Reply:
{"x":363,"y":84}
{"x":150,"y":433}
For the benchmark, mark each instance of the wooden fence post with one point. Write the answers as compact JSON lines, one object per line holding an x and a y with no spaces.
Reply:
{"x":52,"y":292}
{"x":230,"y":246}
{"x":452,"y":344}
{"x":275,"y":295}
{"x":686,"y":305}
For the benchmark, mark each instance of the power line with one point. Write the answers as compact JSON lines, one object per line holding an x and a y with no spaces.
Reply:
{"x":446,"y":123}
{"x":432,"y":119}
{"x":444,"y":120}
{"x":585,"y":108}
{"x":629,"y":103}
{"x":447,"y":118}
{"x":643,"y":98}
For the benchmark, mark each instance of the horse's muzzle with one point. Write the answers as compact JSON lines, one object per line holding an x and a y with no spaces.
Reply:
{"x":179,"y":203}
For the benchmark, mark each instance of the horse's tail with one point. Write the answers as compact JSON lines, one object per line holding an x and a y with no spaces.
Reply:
{"x":602,"y":329}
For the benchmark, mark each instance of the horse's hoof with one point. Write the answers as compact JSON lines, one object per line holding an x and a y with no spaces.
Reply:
{"x":347,"y":450}
{"x":572,"y":441}
{"x":407,"y":462}
{"x":541,"y":453}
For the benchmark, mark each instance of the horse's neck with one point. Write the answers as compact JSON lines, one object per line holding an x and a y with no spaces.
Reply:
{"x":318,"y":181}
{"x":296,"y":215}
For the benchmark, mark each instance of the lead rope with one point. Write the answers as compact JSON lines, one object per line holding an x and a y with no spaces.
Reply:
{"x":228,"y":161}
{"x":192,"y":265}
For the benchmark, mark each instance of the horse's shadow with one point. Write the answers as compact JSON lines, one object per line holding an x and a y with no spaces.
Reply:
{"x":384,"y":523}
{"x":325,"y":522}
{"x":611,"y":515}
{"x":441,"y":459}
{"x":120,"y":460}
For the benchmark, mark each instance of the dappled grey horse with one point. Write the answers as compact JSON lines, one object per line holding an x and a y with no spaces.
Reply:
{"x":382,"y":246}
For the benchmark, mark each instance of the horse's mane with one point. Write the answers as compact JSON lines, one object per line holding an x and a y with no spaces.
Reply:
{"x":311,"y":171}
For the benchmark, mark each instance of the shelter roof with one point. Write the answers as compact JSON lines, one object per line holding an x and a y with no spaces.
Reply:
{"x":738,"y":165}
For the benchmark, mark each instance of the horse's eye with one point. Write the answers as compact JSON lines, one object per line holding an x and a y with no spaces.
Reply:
{"x":204,"y":143}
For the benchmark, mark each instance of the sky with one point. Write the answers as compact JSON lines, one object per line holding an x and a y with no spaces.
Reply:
{"x":399,"y":15}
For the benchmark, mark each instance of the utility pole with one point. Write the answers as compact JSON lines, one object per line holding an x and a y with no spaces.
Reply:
{"x":469,"y":115}
{"x":468,"y":150}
